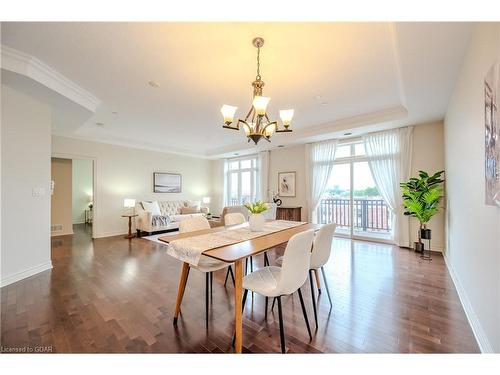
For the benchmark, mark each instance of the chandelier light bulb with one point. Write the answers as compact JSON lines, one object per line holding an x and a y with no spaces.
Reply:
{"x":260,"y":104}
{"x":286,"y":116}
{"x":228,"y":112}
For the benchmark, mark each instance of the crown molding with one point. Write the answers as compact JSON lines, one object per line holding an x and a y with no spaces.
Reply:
{"x":31,"y":67}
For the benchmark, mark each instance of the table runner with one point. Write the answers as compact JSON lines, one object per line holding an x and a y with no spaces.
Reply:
{"x":190,"y":249}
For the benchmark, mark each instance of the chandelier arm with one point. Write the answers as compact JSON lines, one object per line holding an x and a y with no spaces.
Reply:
{"x":249,"y":113}
{"x":269,"y":124}
{"x":245,"y":124}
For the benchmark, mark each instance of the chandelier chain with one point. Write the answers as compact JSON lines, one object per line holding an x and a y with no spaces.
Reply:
{"x":258,"y":64}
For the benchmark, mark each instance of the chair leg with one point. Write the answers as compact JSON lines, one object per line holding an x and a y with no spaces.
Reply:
{"x":282,"y":328}
{"x":272,"y":306}
{"x":227,"y":275}
{"x":326,"y":286}
{"x":207,"y":281}
{"x":318,"y":281}
{"x":265,"y":313}
{"x":232,"y":275}
{"x":313,"y":298}
{"x":305,"y":313}
{"x":251,"y":264}
{"x":242,"y":309}
{"x":266,"y":259}
{"x":246,"y":266}
{"x":211,"y":284}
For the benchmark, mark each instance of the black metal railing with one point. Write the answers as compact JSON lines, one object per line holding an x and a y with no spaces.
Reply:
{"x":369,"y":214}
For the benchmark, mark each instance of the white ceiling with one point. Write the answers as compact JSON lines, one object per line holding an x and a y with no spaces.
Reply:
{"x":372,"y":76}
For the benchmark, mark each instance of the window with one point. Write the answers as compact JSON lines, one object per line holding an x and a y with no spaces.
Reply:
{"x":242,"y":180}
{"x":351,"y":199}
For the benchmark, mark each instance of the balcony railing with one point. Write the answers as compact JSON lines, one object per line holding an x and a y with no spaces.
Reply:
{"x":370,"y":215}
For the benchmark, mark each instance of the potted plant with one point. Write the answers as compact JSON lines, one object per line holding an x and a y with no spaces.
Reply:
{"x":421,"y":197}
{"x":256,"y":220}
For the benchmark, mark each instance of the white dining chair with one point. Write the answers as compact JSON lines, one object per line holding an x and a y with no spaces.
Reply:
{"x":206,"y":264}
{"x":272,"y":281}
{"x":322,"y":248}
{"x":231,"y":219}
{"x":234,"y":218}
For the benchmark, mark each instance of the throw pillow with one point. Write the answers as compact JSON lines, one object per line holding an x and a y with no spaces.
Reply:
{"x":189,"y":210}
{"x":152,"y":207}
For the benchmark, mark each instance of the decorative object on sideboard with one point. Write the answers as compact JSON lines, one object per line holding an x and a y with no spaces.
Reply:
{"x":256,"y":220}
{"x":274,"y":197}
{"x":167,"y":182}
{"x":256,"y":123}
{"x":286,"y":184}
{"x":421,"y":198}
{"x":492,"y":135}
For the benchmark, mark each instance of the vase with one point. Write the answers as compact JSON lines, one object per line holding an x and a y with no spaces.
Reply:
{"x":256,"y":222}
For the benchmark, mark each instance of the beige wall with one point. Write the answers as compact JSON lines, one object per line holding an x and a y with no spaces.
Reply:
{"x":25,"y":158}
{"x":124,"y":172}
{"x":61,"y":202}
{"x":290,"y":159}
{"x":473,"y":228}
{"x":428,"y":155}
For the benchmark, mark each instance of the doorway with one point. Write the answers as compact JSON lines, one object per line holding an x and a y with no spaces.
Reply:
{"x":352,"y":200}
{"x":72,"y":199}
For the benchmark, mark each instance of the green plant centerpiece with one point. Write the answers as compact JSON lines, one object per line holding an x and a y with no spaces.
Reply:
{"x":421,"y":198}
{"x":256,"y":220}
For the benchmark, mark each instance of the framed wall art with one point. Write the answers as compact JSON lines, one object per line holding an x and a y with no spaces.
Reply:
{"x":167,"y":182}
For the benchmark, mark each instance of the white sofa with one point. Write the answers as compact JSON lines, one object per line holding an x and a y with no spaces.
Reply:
{"x":168,"y":209}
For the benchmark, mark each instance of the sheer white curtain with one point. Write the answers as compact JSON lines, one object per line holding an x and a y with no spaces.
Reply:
{"x":389,"y":157}
{"x":319,"y":164}
{"x":263,"y":176}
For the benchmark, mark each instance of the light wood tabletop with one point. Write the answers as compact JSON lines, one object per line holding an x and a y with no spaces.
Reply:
{"x":236,"y":253}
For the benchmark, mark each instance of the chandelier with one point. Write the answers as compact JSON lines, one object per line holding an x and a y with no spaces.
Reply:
{"x":256,"y":123}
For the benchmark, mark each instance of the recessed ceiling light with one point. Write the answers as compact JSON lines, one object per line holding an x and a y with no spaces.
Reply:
{"x":324,"y":103}
{"x":154,"y":84}
{"x":99,"y":123}
{"x":317,"y":97}
{"x":114,"y":112}
{"x":347,"y":133}
{"x":281,"y":146}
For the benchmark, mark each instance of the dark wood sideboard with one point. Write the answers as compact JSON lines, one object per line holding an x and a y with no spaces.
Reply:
{"x":292,"y":213}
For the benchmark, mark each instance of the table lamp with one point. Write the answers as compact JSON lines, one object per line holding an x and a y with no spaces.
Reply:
{"x":130,"y":204}
{"x":206,"y":202}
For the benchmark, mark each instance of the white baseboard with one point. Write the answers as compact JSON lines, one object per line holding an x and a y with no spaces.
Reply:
{"x":477,"y":329}
{"x":24,"y":274}
{"x":110,"y":234}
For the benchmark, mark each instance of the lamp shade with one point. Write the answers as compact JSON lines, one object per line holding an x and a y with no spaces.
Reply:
{"x":228,"y":112}
{"x":206,"y":200}
{"x":260,"y":104}
{"x":128,"y":203}
{"x":270,"y":129}
{"x":286,"y":116}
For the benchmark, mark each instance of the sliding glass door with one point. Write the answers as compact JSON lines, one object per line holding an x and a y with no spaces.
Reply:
{"x":351,"y":199}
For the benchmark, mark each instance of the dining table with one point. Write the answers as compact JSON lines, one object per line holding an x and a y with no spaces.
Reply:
{"x":235,"y":253}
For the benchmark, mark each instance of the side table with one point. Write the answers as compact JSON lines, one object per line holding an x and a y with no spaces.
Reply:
{"x":130,"y":216}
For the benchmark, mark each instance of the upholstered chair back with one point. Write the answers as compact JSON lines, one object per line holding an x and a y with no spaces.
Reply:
{"x":233,"y":209}
{"x":296,"y":262}
{"x":322,"y":246}
{"x":234,"y":219}
{"x":194,"y":224}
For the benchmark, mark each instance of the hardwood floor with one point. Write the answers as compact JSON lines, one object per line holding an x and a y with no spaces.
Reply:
{"x":114,"y":295}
